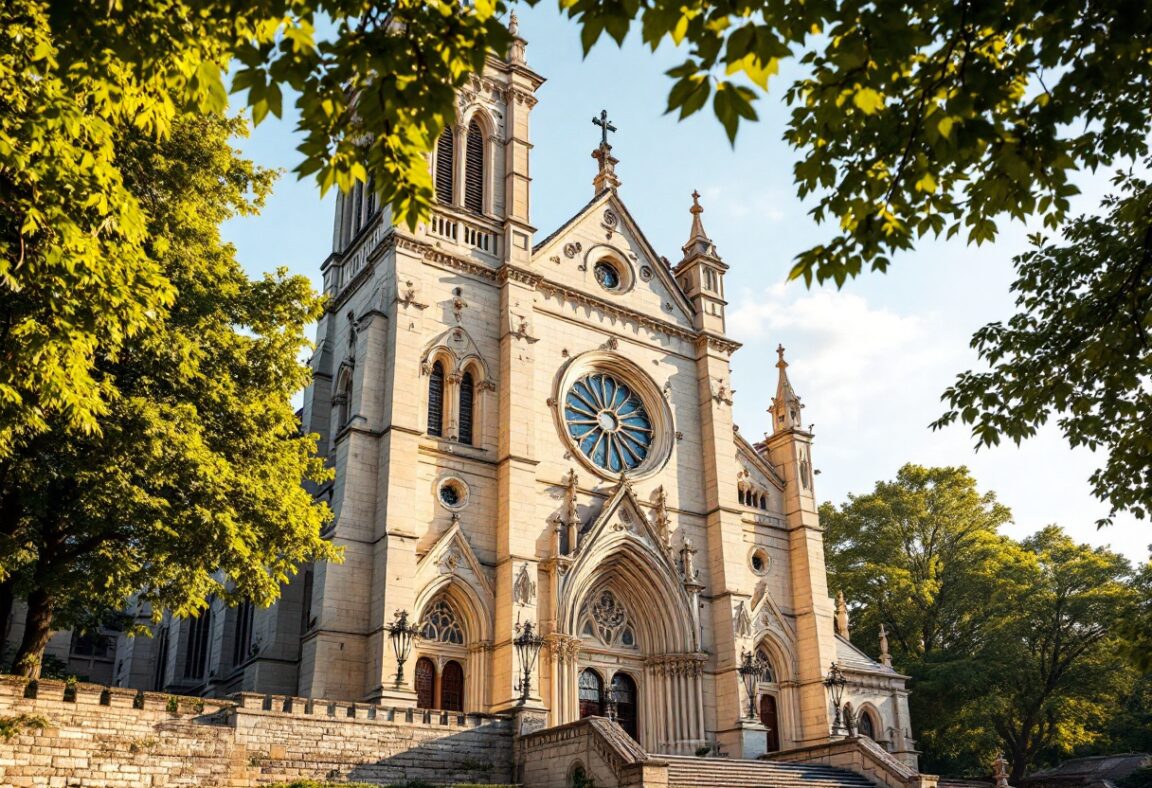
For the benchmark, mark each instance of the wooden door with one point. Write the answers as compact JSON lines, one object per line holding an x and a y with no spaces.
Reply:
{"x":425,"y":683}
{"x":452,"y":687}
{"x":768,"y":719}
{"x":624,"y":693}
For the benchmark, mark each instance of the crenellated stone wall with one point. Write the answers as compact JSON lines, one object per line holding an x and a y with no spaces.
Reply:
{"x":97,"y":736}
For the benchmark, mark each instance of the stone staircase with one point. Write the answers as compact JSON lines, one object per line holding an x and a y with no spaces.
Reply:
{"x":685,"y":772}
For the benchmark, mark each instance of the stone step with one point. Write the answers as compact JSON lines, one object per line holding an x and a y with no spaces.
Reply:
{"x":686,"y":772}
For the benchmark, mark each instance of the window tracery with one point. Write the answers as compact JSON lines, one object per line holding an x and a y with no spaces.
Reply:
{"x":607,"y":620}
{"x":608,"y":422}
{"x":442,"y":625}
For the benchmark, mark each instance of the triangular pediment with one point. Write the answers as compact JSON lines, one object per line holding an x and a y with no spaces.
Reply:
{"x":622,"y":515}
{"x":605,"y":230}
{"x":452,"y":557}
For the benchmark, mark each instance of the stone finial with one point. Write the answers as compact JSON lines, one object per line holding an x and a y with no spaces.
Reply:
{"x":842,"y":616}
{"x":518,"y":45}
{"x":1000,"y":771}
{"x":699,"y":244}
{"x":786,"y":406}
{"x":885,"y":657}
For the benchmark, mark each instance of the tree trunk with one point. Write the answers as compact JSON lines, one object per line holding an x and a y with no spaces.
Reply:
{"x":7,"y":600}
{"x":1019,"y":758}
{"x":37,"y":632}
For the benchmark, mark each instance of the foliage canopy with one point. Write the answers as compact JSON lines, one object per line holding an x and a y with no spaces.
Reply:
{"x":192,"y":484}
{"x":1012,"y":647}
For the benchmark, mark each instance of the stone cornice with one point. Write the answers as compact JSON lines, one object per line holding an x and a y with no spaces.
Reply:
{"x":432,"y":254}
{"x":717,"y":342}
{"x":625,"y":314}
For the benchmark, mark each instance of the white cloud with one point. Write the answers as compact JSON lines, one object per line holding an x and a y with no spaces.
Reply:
{"x":845,"y":355}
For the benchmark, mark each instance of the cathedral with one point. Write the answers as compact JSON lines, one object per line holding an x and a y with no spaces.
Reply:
{"x":537,"y":430}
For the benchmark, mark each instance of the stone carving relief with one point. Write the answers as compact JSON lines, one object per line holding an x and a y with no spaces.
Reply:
{"x":741,"y":621}
{"x":524,"y":589}
{"x":571,"y":249}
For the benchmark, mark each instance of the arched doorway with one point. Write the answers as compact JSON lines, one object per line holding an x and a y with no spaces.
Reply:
{"x":624,"y":696}
{"x":452,"y":687}
{"x":425,"y":678}
{"x":591,"y":694}
{"x":770,"y":720}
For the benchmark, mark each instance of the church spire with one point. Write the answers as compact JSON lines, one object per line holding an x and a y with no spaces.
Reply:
{"x":698,"y":241}
{"x":786,"y":405}
{"x":701,"y":274}
{"x":606,"y":176}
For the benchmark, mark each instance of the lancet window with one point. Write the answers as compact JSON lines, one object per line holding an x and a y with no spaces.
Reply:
{"x":445,"y":163}
{"x":467,"y":395}
{"x":436,"y":400}
{"x":474,"y":169}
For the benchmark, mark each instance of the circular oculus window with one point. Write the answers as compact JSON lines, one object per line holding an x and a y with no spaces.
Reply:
{"x":608,"y":422}
{"x":607,"y":275}
{"x":759,"y":561}
{"x":453,"y":493}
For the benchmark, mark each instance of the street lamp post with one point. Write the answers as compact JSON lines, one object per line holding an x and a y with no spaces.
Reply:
{"x":401,"y":634}
{"x":835,"y":682}
{"x":752,"y":670}
{"x":528,"y":645}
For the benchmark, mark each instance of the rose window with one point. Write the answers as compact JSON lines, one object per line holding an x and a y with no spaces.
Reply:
{"x":608,"y":422}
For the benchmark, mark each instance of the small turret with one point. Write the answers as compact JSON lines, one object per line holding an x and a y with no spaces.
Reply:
{"x":701,"y":274}
{"x":786,"y":406}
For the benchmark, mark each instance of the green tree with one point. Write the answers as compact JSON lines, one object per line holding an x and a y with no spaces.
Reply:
{"x":1059,"y":672}
{"x":192,"y":483}
{"x":922,"y":555}
{"x":910,"y":119}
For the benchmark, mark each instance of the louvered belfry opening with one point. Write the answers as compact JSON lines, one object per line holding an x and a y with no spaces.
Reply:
{"x":467,"y":388}
{"x":474,"y":170}
{"x":445,"y":155}
{"x":436,"y":400}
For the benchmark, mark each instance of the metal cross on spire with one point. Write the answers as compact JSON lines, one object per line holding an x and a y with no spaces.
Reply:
{"x":605,"y":126}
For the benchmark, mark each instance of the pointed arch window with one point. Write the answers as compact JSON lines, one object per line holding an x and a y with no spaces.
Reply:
{"x":866,"y":725}
{"x":445,"y":159}
{"x":436,"y":400}
{"x":344,"y":399}
{"x":467,"y":398}
{"x":474,"y":169}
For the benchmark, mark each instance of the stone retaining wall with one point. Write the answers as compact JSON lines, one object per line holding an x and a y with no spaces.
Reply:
{"x":95,"y":736}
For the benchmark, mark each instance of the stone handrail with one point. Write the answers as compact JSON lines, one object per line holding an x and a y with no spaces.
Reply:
{"x":628,"y":763}
{"x":863,"y":756}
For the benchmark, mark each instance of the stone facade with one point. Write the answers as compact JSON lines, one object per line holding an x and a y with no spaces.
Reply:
{"x":541,"y":431}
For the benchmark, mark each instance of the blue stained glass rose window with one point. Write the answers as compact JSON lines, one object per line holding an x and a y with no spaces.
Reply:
{"x":608,"y":422}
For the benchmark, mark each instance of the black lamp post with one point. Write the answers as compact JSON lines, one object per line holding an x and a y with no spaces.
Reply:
{"x":835,"y":682}
{"x":528,"y":645}
{"x":752,"y":671}
{"x":402,"y":634}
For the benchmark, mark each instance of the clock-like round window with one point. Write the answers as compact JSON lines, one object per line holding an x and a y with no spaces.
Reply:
{"x":608,"y":422}
{"x":607,"y":275}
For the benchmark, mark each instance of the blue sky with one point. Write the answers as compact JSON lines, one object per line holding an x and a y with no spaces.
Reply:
{"x":869,"y":360}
